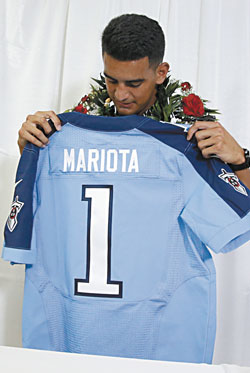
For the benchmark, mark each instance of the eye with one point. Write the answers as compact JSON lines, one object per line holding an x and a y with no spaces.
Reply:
{"x":134,"y":85}
{"x":110,"y":81}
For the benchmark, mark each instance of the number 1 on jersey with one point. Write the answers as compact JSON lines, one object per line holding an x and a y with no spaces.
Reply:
{"x":98,"y":283}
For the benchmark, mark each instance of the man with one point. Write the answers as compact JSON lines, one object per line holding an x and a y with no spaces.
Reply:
{"x":131,"y":79}
{"x":123,"y":208}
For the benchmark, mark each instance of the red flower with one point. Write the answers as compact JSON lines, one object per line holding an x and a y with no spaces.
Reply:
{"x":192,"y":105}
{"x":185,"y":86}
{"x":84,"y":98}
{"x":81,"y":109}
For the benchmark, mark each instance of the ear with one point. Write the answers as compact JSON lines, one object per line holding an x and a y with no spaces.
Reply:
{"x":161,"y":72}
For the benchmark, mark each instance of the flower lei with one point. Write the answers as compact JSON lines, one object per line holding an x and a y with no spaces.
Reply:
{"x":175,"y":102}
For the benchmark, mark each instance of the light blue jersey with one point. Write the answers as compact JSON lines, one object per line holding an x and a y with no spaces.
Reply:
{"x":113,"y":219}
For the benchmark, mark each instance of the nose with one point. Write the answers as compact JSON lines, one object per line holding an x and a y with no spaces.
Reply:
{"x":121,"y":93}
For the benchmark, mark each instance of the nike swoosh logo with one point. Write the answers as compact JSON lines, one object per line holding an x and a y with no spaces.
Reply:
{"x":19,"y":181}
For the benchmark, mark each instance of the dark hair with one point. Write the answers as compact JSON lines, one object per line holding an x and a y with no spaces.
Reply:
{"x":133,"y":36}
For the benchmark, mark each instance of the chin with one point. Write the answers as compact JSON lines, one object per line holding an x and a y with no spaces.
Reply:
{"x":131,"y":110}
{"x":123,"y":111}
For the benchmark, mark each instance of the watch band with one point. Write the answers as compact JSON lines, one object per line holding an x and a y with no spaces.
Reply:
{"x":244,"y":165}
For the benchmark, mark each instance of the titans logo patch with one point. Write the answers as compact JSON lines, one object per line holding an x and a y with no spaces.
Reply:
{"x":232,"y":180}
{"x":15,"y":209}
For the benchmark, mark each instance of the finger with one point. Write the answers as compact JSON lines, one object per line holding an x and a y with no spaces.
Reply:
{"x":210,"y":151}
{"x":206,"y":133}
{"x":30,"y":128}
{"x":201,"y":126}
{"x":206,"y":124}
{"x":216,"y":141}
{"x":34,"y":140}
{"x":203,"y":144}
{"x":51,"y":115}
{"x":34,"y":120}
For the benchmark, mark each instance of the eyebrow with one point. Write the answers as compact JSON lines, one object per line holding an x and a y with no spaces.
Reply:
{"x":126,"y":81}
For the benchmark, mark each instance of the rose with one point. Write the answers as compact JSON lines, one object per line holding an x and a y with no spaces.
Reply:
{"x":81,"y":109}
{"x":78,"y":108}
{"x":185,"y":86}
{"x":84,"y":98}
{"x":192,"y":105}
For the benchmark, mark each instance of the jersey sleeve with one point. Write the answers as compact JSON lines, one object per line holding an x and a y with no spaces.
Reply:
{"x":18,"y":233}
{"x":217,"y":203}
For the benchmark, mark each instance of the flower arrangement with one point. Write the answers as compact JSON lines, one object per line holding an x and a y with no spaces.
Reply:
{"x":175,"y":102}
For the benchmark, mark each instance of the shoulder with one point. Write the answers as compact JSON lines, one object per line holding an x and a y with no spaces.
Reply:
{"x":170,"y":134}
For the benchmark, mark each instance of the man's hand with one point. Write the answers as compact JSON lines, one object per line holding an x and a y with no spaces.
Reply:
{"x":30,"y":132}
{"x":213,"y":139}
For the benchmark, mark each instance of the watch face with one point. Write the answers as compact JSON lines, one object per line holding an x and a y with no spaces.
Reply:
{"x":246,"y":151}
{"x":247,"y":157}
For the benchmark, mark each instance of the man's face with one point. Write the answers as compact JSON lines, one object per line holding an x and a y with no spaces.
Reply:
{"x":132,"y":84}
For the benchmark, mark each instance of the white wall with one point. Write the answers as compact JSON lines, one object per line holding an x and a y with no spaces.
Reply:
{"x":48,"y":53}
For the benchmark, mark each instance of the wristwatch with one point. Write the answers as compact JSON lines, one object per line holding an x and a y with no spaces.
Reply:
{"x":242,"y":166}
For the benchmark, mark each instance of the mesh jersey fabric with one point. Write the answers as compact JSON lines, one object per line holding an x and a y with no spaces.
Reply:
{"x":113,"y":219}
